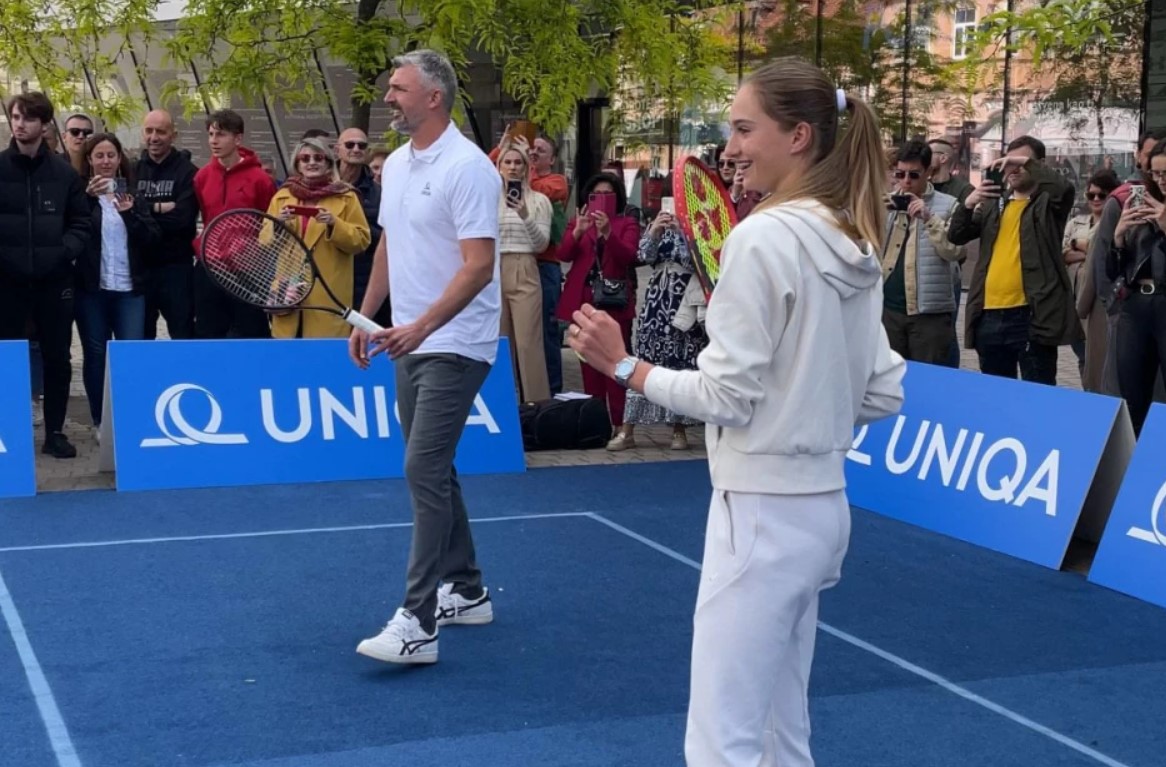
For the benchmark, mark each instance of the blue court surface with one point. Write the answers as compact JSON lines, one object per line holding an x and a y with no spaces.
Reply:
{"x":218,"y":627}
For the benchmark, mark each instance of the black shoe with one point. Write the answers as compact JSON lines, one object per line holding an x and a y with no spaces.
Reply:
{"x":58,"y":446}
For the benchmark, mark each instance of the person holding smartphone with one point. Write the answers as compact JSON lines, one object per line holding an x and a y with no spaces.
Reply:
{"x":329,"y":217}
{"x":110,"y":298}
{"x":524,"y":230}
{"x":1137,"y":260}
{"x":601,"y":245}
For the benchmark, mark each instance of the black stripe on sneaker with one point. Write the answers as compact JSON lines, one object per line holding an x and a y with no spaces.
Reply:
{"x":411,"y":648}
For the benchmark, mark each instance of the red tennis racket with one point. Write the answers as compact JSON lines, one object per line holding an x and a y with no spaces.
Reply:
{"x":706,"y":215}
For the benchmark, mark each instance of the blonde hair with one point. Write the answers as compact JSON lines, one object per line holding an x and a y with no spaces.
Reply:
{"x":317,"y":145}
{"x":525,"y":155}
{"x":849,"y":171}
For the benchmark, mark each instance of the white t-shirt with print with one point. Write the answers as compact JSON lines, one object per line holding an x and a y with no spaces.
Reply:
{"x":431,"y":199}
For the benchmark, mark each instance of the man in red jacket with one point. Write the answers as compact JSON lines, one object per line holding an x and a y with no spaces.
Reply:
{"x":233,"y":179}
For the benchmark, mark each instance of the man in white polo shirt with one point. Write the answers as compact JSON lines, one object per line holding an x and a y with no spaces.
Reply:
{"x":438,"y":258}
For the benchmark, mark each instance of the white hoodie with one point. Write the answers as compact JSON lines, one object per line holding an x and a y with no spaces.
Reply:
{"x":797,"y":355}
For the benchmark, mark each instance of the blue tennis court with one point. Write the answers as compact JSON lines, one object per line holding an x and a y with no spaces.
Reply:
{"x":218,"y":627}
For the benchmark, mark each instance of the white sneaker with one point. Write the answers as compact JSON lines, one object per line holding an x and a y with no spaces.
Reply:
{"x":402,"y":641}
{"x":38,"y":414}
{"x":456,"y":609}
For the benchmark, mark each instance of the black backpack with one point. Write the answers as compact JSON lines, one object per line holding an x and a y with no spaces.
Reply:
{"x":573,"y":424}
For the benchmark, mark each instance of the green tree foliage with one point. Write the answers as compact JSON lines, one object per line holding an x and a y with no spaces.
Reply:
{"x":71,"y":50}
{"x":1086,"y":52}
{"x":864,"y":55}
{"x":551,"y":53}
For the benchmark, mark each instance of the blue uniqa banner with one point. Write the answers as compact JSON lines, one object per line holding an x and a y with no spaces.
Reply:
{"x":17,"y":461}
{"x":999,"y":463}
{"x":1132,"y":555}
{"x":251,"y":412}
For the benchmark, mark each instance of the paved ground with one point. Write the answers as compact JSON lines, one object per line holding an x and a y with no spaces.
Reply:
{"x":652,"y":443}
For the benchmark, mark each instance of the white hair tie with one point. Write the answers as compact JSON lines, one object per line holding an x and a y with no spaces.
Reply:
{"x":841,"y":100}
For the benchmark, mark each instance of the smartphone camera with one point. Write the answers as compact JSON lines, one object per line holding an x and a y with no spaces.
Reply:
{"x":514,"y":190}
{"x":1137,"y":197}
{"x":900,"y":202}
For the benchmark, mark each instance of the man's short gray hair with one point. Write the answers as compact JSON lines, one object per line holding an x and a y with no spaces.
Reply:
{"x":435,"y":69}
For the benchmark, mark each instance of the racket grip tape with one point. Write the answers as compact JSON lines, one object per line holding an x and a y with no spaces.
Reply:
{"x":358,"y":320}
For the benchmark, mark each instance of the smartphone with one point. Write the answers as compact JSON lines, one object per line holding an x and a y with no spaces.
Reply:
{"x":526,"y":129}
{"x":668,"y":205}
{"x":995,"y":176}
{"x":117,"y":186}
{"x":601,"y":201}
{"x":1137,"y":198}
{"x":514,"y":189}
{"x":900,"y":201}
{"x":308,"y":211}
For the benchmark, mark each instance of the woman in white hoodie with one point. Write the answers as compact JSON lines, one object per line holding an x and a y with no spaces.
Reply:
{"x":797,"y":357}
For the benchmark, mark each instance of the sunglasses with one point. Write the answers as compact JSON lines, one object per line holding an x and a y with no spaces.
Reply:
{"x":80,"y":132}
{"x":726,"y":163}
{"x":305,"y":157}
{"x":1096,"y":196}
{"x":356,"y":145}
{"x":914,"y":175}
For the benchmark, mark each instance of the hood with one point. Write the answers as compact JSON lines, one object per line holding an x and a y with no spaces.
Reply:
{"x":247,"y":159}
{"x":843,"y":265}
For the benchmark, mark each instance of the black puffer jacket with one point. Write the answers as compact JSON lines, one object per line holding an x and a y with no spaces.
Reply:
{"x":44,"y":214}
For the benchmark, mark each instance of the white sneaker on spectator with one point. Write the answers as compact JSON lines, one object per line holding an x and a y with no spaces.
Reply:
{"x":38,"y":414}
{"x":456,"y":609}
{"x":402,"y":641}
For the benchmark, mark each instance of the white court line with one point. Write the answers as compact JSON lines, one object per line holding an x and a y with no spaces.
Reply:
{"x":43,"y":694}
{"x":270,"y":533}
{"x":902,"y":663}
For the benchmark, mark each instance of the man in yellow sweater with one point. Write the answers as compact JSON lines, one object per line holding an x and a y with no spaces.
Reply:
{"x":1020,"y":301}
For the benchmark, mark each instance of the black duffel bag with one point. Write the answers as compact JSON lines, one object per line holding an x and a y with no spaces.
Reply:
{"x":572,"y":424}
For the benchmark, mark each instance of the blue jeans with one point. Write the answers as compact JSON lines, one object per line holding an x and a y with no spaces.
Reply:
{"x":102,"y":315}
{"x":551,"y":276}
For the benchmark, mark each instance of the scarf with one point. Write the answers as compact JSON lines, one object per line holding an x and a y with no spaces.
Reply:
{"x":314,"y":190}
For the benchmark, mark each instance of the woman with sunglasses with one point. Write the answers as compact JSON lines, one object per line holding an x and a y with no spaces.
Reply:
{"x":1078,"y":236}
{"x":797,"y":356}
{"x":327,"y":215}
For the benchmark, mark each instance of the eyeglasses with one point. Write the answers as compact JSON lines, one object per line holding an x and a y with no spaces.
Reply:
{"x":726,"y":163}
{"x":356,"y":145}
{"x":1158,"y":174}
{"x":1095,"y":195}
{"x":914,"y":175}
{"x":305,"y":157}
{"x":80,"y":132}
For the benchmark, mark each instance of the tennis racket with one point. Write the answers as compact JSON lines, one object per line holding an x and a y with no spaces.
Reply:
{"x":706,"y":215}
{"x":259,"y":260}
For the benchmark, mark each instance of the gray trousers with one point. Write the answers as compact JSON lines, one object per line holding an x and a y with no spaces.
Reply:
{"x":435,"y":393}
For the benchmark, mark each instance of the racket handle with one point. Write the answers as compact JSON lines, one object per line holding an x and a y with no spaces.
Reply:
{"x":358,"y":320}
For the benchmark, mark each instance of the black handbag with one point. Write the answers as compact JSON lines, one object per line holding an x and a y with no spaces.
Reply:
{"x":606,"y":293}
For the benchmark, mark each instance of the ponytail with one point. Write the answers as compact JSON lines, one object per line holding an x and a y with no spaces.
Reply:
{"x":849,"y":170}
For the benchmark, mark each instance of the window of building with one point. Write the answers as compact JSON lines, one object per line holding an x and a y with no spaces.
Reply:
{"x":963,"y":30}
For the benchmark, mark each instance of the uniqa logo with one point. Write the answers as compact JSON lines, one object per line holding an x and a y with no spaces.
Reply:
{"x":1155,"y":534}
{"x":957,"y":462}
{"x":168,"y":412}
{"x":364,"y":421}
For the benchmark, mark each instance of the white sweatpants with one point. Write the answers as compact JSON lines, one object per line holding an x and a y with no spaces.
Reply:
{"x":766,"y":559}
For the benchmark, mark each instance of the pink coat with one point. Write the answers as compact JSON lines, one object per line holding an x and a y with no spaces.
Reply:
{"x":619,"y":259}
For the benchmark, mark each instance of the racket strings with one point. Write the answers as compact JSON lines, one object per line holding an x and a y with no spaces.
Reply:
{"x":708,"y":217}
{"x":258,"y":261}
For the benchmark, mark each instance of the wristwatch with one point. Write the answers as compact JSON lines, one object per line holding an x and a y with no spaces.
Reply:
{"x":624,"y":369}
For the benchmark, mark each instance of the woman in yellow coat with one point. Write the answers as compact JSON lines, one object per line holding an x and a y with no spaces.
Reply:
{"x":336,"y":232}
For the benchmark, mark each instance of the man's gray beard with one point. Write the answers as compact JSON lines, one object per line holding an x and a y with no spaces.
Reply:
{"x":401,"y":125}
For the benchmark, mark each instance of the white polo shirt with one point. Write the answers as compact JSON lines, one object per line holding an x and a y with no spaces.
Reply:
{"x":431,"y":199}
